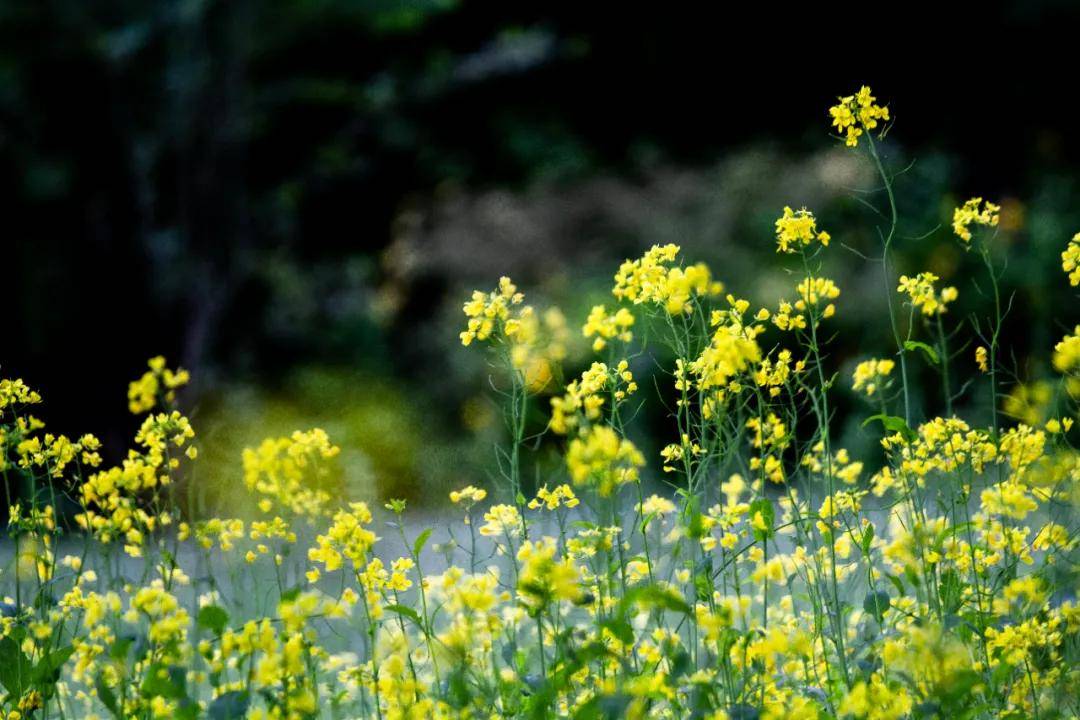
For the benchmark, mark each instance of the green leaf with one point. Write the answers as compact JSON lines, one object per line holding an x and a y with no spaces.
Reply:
{"x":164,"y":681}
{"x":213,"y":618}
{"x":15,"y":667}
{"x":652,"y":596}
{"x":405,"y":611}
{"x":695,"y":526}
{"x":867,"y":537}
{"x":957,"y":529}
{"x":232,"y":705}
{"x":186,"y":709}
{"x":421,"y":540}
{"x":646,"y":520}
{"x":107,"y":696}
{"x":951,"y":591}
{"x":931,"y":353}
{"x":604,"y":707}
{"x":47,"y":671}
{"x":876,"y":603}
{"x":621,"y":629}
{"x":121,"y":646}
{"x":892,"y":424}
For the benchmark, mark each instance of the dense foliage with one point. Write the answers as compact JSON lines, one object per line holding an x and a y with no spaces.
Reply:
{"x":782,"y":577}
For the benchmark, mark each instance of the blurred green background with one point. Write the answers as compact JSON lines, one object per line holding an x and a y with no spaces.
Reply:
{"x":291,"y":199}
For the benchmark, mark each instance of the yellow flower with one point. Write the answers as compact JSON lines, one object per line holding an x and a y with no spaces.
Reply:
{"x":543,"y":578}
{"x":649,"y":279}
{"x":797,"y":228}
{"x":656,"y":505}
{"x":347,"y":538}
{"x":1067,"y":353}
{"x":605,"y":326}
{"x":732,"y":350}
{"x":600,"y":458}
{"x":157,"y":385}
{"x":501,"y":520}
{"x":15,"y":392}
{"x":813,"y":291}
{"x":920,"y":289}
{"x":982,"y":357}
{"x":561,"y":496}
{"x":974,"y":212}
{"x":1070,"y":260}
{"x":467,"y":496}
{"x":582,"y":400}
{"x":485,"y":310}
{"x":870,"y":375}
{"x":855,"y":113}
{"x":292,"y":472}
{"x":876,"y":701}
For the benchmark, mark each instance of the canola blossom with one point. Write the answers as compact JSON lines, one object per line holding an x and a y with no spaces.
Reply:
{"x":975,"y":211}
{"x":854,"y":114}
{"x":747,"y":566}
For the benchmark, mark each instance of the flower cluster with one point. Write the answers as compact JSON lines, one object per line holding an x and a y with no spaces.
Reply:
{"x":871,"y":375}
{"x":583,"y":400}
{"x":855,"y":113}
{"x":653,"y":280}
{"x":157,"y":386}
{"x":601,"y":459}
{"x":796,"y":229}
{"x":488,"y":312}
{"x":348,"y":538}
{"x":292,"y":472}
{"x":974,"y":212}
{"x":1070,"y":260}
{"x":815,"y":291}
{"x":982,"y":358}
{"x":14,"y":392}
{"x":1067,"y":353}
{"x":532,"y":342}
{"x":560,"y":496}
{"x":924,"y":296}
{"x":606,"y":326}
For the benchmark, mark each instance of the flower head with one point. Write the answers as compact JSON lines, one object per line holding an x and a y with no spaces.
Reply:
{"x":501,"y":520}
{"x":920,"y":289}
{"x":1070,"y":260}
{"x":797,"y":228}
{"x":1067,"y":353}
{"x":982,"y":357}
{"x":599,"y":457}
{"x":157,"y":386}
{"x":467,"y":496}
{"x":855,"y":113}
{"x":605,"y":326}
{"x":649,"y":279}
{"x":974,"y":212}
{"x":870,"y":375}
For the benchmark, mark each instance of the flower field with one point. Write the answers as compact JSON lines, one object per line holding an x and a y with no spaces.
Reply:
{"x":753,"y":568}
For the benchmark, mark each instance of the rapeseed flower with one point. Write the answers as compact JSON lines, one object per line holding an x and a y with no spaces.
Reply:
{"x":1070,"y":260}
{"x":600,"y":458}
{"x":871,"y":375}
{"x":923,"y":294}
{"x":855,"y":113}
{"x":796,"y":229}
{"x":974,"y":212}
